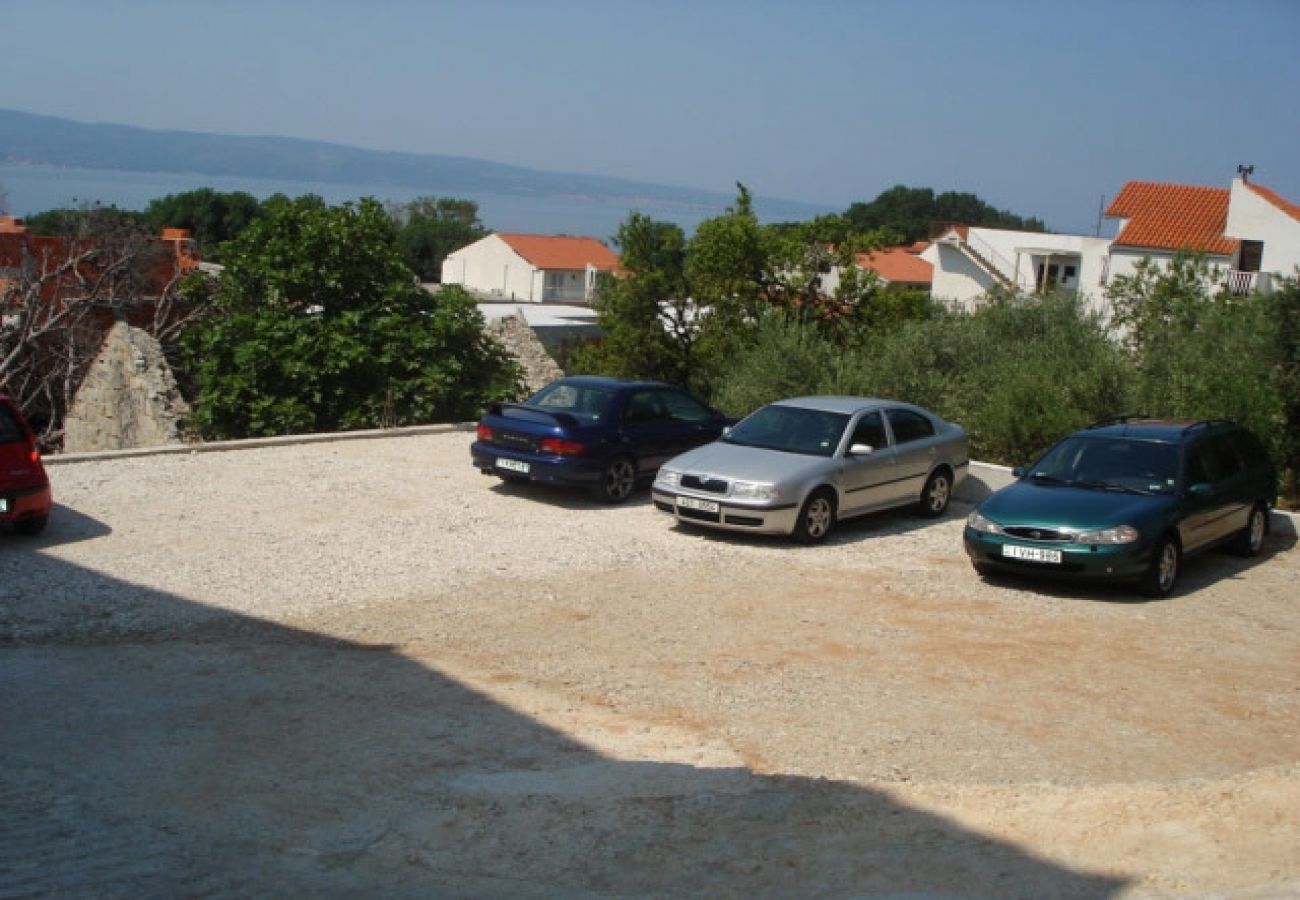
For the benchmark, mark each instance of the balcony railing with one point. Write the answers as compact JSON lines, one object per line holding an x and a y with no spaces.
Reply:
{"x":1241,"y":283}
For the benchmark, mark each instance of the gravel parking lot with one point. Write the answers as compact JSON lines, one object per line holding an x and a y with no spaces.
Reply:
{"x":362,"y":668}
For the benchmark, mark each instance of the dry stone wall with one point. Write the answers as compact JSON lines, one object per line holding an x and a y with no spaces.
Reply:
{"x":513,"y":333}
{"x":128,"y":399}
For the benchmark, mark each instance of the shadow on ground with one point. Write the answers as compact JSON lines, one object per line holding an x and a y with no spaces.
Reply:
{"x":176,"y":750}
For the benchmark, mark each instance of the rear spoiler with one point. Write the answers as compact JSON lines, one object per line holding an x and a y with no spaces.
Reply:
{"x":533,"y":414}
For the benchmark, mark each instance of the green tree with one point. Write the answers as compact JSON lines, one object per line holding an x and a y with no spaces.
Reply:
{"x":1201,"y":352}
{"x":429,"y":228}
{"x":646,"y":312}
{"x":910,"y":213}
{"x":321,"y":326}
{"x":212,"y":217}
{"x":85,"y":220}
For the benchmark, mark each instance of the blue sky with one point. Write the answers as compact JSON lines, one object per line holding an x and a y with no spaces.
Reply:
{"x":1042,"y":108}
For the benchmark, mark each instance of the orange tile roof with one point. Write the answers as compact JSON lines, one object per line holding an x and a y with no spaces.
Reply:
{"x":897,"y":265}
{"x":1173,"y":217}
{"x":1291,"y":209}
{"x":558,"y":252}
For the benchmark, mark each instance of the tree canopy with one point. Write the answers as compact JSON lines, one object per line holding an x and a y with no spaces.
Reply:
{"x":320,"y":326}
{"x":911,"y":213}
{"x":211,"y":216}
{"x":429,"y":228}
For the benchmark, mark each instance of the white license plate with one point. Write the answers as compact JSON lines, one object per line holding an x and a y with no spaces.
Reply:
{"x":513,"y":465}
{"x":1031,"y":554}
{"x":702,"y":505}
{"x":4,"y":505}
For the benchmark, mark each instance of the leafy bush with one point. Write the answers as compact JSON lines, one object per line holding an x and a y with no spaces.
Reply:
{"x":321,"y":327}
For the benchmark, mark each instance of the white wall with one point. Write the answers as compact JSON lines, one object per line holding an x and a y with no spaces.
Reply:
{"x":957,"y":278}
{"x":1252,"y":218}
{"x":492,"y":267}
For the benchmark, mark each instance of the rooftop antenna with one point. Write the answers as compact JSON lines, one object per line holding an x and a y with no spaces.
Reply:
{"x":1245,"y":172}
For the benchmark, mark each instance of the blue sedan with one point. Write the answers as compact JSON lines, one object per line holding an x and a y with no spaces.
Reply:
{"x":604,"y":434}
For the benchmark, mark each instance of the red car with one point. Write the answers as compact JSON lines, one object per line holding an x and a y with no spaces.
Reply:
{"x":25,"y":497}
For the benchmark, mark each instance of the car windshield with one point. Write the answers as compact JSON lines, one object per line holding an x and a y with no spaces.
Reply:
{"x":1118,"y":464}
{"x":583,"y":402}
{"x":791,"y":429}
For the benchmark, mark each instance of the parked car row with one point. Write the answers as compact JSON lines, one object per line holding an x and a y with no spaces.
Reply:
{"x":1128,"y":499}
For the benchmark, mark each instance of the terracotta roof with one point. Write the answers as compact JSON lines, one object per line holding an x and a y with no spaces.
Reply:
{"x":1173,"y":217}
{"x":1291,"y":209}
{"x":556,"y":252}
{"x":897,"y":265}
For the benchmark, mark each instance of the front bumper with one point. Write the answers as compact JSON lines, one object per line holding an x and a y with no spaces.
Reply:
{"x":754,"y":518}
{"x":1101,"y":561}
{"x":562,"y":470}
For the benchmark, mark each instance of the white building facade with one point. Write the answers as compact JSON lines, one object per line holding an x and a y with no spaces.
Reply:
{"x":531,"y":268}
{"x":971,"y":261}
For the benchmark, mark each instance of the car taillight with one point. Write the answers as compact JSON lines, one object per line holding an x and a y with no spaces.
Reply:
{"x":561,"y":447}
{"x":483,"y":433}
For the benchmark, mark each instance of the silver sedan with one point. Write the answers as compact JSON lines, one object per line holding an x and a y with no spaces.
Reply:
{"x":799,"y":466}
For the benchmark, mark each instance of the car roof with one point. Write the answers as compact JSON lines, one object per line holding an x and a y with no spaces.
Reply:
{"x":1173,"y":431}
{"x":602,"y":381}
{"x":846,"y":405}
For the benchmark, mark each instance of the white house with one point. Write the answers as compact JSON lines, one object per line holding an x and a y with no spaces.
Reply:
{"x":970,"y":261}
{"x":531,"y":268}
{"x":1248,"y":232}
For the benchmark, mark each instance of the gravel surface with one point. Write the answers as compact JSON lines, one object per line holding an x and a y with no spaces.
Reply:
{"x":362,"y":667}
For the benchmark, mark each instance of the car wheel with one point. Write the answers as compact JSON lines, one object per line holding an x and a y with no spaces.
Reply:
{"x":1163,"y":572}
{"x":1251,"y":539}
{"x":936,"y":494}
{"x":617,"y":481}
{"x":33,"y":525}
{"x":816,"y":518}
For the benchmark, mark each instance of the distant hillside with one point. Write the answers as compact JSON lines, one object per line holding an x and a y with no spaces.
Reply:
{"x":26,"y":138}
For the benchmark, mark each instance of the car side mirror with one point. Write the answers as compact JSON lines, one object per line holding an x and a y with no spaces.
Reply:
{"x":1201,"y":489}
{"x":861,"y":450}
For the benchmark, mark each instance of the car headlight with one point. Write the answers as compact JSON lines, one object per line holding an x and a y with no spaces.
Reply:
{"x":1121,"y":534}
{"x":976,"y":522}
{"x":754,"y":490}
{"x":669,"y":477}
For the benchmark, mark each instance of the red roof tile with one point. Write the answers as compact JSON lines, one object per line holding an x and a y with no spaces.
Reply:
{"x":1173,"y":217}
{"x":897,"y":265}
{"x":1291,"y":209}
{"x":553,"y":252}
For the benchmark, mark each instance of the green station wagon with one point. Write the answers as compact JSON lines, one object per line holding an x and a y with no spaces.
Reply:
{"x":1128,"y":499}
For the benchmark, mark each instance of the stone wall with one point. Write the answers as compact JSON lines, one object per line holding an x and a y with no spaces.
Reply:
{"x":513,"y":333}
{"x":128,"y":398}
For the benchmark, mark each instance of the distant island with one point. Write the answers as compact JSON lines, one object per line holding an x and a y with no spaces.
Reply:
{"x":30,"y":139}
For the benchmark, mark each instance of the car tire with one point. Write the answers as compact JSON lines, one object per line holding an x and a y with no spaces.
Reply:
{"x":816,"y":517}
{"x":1163,"y":571}
{"x":617,"y":480}
{"x":31,"y":526}
{"x":1251,"y":539}
{"x":936,"y":494}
